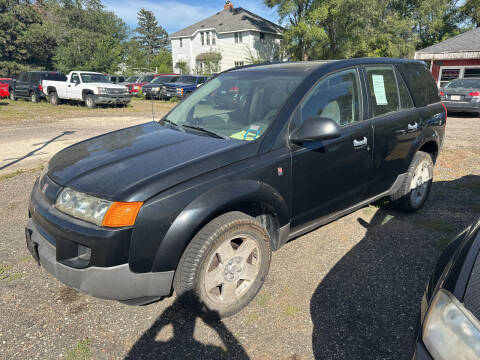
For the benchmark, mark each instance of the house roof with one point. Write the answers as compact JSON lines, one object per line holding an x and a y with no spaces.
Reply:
{"x":464,"y":46}
{"x":237,"y":19}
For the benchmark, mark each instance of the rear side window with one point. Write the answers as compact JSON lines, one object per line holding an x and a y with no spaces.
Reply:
{"x":420,"y":83}
{"x":405,"y":98}
{"x":383,"y":89}
{"x":23,"y":77}
{"x":336,"y":97}
{"x":35,"y":78}
{"x":54,"y":76}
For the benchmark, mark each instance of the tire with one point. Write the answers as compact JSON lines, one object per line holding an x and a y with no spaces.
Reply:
{"x":12,"y":95}
{"x":90,"y":102}
{"x":54,"y":99}
{"x":214,"y":274}
{"x":34,"y":98}
{"x":416,"y":187}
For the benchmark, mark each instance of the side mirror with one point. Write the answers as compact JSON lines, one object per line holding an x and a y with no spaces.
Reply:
{"x":315,"y":129}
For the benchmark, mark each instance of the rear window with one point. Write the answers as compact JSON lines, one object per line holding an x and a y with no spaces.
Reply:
{"x":54,"y":76}
{"x":420,"y":82}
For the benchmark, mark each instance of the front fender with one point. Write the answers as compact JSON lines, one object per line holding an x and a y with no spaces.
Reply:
{"x":206,"y":207}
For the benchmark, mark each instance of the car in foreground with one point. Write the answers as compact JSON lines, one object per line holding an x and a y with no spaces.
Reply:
{"x":4,"y":87}
{"x":197,"y":201}
{"x":462,"y":95}
{"x":28,"y":84}
{"x":449,"y":325}
{"x":155,"y":89}
{"x":88,"y":87}
{"x":184,"y":86}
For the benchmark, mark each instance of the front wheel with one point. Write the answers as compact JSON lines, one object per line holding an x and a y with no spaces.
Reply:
{"x":225,"y":264}
{"x":34,"y":98}
{"x":416,"y":187}
{"x":90,"y":102}
{"x":12,"y":95}
{"x":54,"y":99}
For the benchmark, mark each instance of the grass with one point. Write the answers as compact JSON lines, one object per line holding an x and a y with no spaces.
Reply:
{"x":15,"y":276}
{"x":25,"y":110}
{"x":437,"y":225}
{"x":25,"y":259}
{"x":19,"y":172}
{"x":263,"y":299}
{"x":290,"y":310}
{"x":252,"y":318}
{"x":80,"y":352}
{"x":3,"y":271}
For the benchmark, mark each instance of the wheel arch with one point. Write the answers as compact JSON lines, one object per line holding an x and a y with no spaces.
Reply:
{"x":86,"y":92}
{"x":51,"y":89}
{"x":251,"y":197}
{"x":431,"y":147}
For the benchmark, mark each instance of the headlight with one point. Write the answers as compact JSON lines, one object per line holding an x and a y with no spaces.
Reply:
{"x":155,"y":89}
{"x":97,"y":211}
{"x":125,"y":90}
{"x":450,"y":331}
{"x":136,"y":87}
{"x":102,"y":91}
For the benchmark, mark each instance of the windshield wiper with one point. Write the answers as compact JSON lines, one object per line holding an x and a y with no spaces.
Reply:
{"x":211,"y":133}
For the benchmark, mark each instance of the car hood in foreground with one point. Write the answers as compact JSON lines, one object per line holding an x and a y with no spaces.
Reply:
{"x":136,"y":163}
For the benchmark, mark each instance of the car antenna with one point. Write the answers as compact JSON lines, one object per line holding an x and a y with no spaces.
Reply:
{"x":153,"y":114}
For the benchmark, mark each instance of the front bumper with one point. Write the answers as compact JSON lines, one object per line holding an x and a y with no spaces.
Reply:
{"x":462,"y":106}
{"x":55,"y":238}
{"x":112,"y":99}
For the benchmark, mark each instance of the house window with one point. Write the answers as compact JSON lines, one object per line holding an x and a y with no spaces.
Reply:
{"x":448,"y":75}
{"x":213,"y":38}
{"x":208,"y":38}
{"x":262,"y":37}
{"x":202,"y":37}
{"x":181,"y":43}
{"x":238,"y":37}
{"x":239,"y":63}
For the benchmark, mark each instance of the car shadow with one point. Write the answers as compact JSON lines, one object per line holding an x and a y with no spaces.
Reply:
{"x":36,"y":150}
{"x":3,"y":103}
{"x":368,"y":304}
{"x":183,"y":315}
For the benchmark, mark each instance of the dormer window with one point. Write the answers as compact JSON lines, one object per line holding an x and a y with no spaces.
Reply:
{"x":238,"y":37}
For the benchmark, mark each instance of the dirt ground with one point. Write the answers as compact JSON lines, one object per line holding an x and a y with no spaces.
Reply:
{"x":349,"y":290}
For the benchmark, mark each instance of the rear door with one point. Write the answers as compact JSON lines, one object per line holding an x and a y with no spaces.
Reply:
{"x":396,"y":125}
{"x":332,"y":175}
{"x":22,"y":84}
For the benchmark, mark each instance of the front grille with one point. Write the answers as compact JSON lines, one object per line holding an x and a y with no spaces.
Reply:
{"x":114,"y":91}
{"x":171,"y":91}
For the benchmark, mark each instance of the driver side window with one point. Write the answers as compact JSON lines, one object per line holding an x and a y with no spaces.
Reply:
{"x":336,"y":97}
{"x":75,"y":78}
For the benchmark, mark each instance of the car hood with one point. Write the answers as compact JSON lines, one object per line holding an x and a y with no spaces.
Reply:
{"x":136,"y":163}
{"x":177,"y":84}
{"x":106,"y":85}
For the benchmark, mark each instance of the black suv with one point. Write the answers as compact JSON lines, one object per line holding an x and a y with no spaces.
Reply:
{"x":198,"y":201}
{"x":29,"y":84}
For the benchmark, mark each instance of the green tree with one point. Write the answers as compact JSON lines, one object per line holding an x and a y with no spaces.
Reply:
{"x":151,"y":37}
{"x":471,"y":9}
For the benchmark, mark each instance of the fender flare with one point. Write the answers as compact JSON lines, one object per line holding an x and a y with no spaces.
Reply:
{"x":209,"y":205}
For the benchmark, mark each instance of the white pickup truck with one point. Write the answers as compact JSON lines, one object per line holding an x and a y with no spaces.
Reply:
{"x":89,"y":87}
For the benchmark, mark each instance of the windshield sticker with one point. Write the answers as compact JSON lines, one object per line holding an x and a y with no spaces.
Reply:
{"x":379,"y":89}
{"x":250,"y":134}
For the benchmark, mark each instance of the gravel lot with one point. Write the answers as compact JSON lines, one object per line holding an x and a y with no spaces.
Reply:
{"x":349,"y":290}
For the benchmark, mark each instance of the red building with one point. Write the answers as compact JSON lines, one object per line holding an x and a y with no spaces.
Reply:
{"x":457,"y":57}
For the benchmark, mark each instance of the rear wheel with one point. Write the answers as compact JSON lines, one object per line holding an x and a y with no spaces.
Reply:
{"x":90,"y":102}
{"x":54,"y":99}
{"x":34,"y":97}
{"x":417,"y":185}
{"x":12,"y":95}
{"x":225,"y":264}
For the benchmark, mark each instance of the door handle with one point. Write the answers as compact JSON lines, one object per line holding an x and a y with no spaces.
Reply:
{"x":412,"y":127}
{"x":360,"y":142}
{"x":69,"y":85}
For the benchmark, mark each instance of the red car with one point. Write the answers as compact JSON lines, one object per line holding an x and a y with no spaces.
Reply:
{"x":141,"y":80}
{"x":4,"y":84}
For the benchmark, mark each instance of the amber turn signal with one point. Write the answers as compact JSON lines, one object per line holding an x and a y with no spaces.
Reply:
{"x":122,"y":214}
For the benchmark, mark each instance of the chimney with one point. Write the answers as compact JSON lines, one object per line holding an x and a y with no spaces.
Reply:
{"x":228,"y":5}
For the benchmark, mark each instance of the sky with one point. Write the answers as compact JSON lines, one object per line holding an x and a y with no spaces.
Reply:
{"x":175,"y":15}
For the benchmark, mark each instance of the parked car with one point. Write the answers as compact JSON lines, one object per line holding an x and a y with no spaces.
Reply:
{"x":154,"y":88}
{"x":4,"y":86}
{"x":449,"y":326}
{"x":131,"y":79}
{"x":88,"y":87}
{"x":184,"y":86}
{"x":29,"y":84}
{"x":198,"y":201}
{"x":143,"y":80}
{"x":462,"y":95}
{"x":116,"y":79}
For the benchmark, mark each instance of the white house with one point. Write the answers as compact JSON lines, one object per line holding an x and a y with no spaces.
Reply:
{"x":238,"y":35}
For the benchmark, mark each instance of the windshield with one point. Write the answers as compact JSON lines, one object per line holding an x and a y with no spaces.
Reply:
{"x":464,"y":84}
{"x":94,"y":78}
{"x":146,"y":78}
{"x":239,"y":105}
{"x":163,"y":79}
{"x":132,"y":79}
{"x":187,"y":79}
